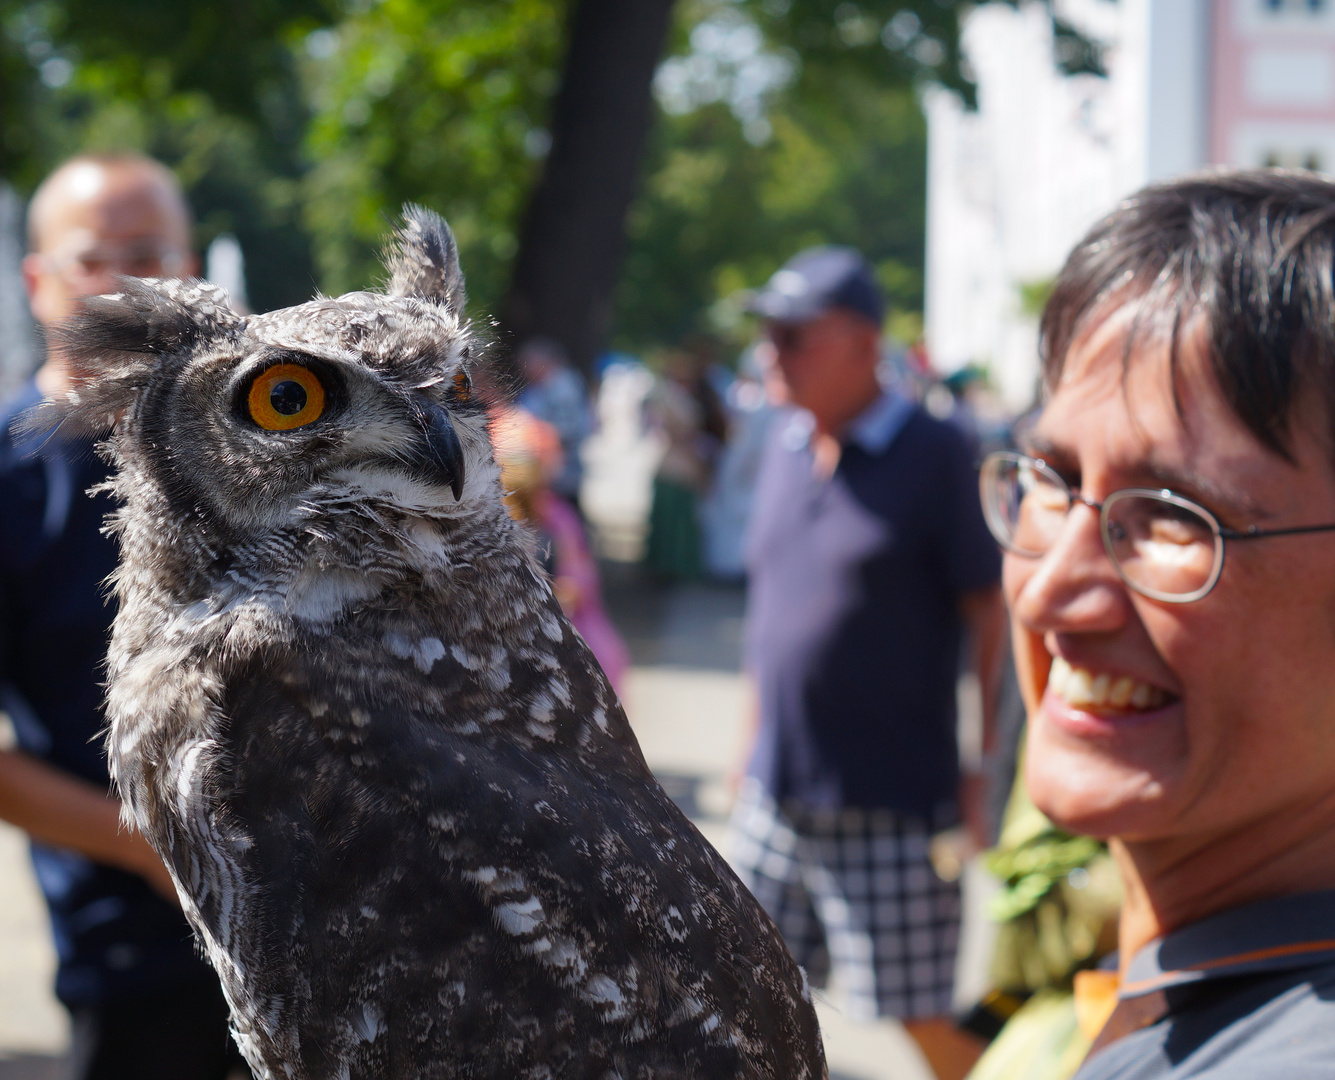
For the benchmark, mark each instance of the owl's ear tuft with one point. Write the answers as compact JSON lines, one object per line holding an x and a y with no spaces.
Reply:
{"x":423,"y":260}
{"x":138,"y":319}
{"x":112,"y":345}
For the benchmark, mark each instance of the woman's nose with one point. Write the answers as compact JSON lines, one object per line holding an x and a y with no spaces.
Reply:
{"x":1074,"y":587}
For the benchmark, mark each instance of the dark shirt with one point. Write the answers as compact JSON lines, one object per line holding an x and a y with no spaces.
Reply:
{"x":1249,"y":993}
{"x":854,"y":624}
{"x":114,"y":935}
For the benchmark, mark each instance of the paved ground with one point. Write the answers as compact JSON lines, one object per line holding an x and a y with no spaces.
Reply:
{"x":33,"y":1026}
{"x":685,"y":700}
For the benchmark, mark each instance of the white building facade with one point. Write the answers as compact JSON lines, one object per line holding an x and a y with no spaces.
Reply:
{"x":1012,"y":186}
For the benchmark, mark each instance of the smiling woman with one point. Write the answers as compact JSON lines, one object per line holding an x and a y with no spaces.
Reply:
{"x":1181,"y":703}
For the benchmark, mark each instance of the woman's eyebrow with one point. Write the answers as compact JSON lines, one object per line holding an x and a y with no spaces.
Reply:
{"x":1039,"y":446}
{"x":1187,"y":481}
{"x":1227,"y":501}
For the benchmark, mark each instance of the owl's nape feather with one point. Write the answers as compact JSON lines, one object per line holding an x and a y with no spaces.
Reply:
{"x":423,"y":261}
{"x":404,"y":810}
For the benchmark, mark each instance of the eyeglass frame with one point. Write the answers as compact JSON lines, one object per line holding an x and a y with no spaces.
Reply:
{"x":1221,"y":532}
{"x":168,"y":258}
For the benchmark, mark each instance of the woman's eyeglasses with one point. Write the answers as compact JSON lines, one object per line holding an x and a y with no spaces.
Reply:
{"x":98,"y":265}
{"x":1163,"y":545}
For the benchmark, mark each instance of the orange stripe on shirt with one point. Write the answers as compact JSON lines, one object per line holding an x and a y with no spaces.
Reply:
{"x":1294,"y":949}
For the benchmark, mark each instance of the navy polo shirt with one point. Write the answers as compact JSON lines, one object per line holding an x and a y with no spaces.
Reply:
{"x":1245,"y":994}
{"x":114,"y":935}
{"x":854,"y":623}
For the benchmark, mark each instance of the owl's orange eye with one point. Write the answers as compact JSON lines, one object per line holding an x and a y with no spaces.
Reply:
{"x":463,"y":386}
{"x":285,"y":396}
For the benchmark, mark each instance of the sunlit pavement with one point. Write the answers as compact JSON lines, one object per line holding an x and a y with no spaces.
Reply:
{"x":685,"y":699}
{"x":33,"y":1026}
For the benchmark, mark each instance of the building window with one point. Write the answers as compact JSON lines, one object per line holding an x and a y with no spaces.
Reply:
{"x":1292,"y":159}
{"x":1277,"y":7}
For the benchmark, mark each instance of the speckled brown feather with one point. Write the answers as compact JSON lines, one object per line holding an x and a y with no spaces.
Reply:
{"x":404,"y":810}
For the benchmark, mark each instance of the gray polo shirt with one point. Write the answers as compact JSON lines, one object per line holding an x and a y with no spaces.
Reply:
{"x":1245,"y":995}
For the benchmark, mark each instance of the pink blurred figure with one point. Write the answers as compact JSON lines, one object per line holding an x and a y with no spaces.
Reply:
{"x":529,"y":453}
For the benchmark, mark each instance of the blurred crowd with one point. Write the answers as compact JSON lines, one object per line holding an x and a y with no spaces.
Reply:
{"x":668,"y":447}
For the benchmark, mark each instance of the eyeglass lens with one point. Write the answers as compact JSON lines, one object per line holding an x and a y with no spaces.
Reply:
{"x":97,"y":264}
{"x":1160,"y":545}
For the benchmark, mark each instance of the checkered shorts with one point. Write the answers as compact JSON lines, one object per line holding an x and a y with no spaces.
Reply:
{"x":854,"y":894}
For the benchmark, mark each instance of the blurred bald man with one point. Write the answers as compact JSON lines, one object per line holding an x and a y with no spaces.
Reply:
{"x":143,"y":1004}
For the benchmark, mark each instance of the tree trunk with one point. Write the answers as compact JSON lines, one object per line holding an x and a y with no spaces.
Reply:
{"x":571,"y":242}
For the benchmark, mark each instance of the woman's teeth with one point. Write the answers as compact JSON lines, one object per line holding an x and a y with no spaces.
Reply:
{"x":1084,"y":689}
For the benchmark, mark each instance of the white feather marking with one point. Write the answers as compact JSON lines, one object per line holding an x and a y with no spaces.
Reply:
{"x":541,"y":731}
{"x":368,"y":1022}
{"x":427,"y":652}
{"x":427,"y":539}
{"x":565,"y":957}
{"x":322,"y":596}
{"x":689,"y":1009}
{"x":402,"y":491}
{"x":674,"y":924}
{"x":541,"y":708}
{"x":600,"y":990}
{"x":497,"y":675}
{"x":185,"y":777}
{"x":521,"y":917}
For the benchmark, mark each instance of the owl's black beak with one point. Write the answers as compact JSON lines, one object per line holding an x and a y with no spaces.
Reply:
{"x":441,"y":457}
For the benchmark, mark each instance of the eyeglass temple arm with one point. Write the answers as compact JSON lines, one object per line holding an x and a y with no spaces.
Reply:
{"x":1255,"y":534}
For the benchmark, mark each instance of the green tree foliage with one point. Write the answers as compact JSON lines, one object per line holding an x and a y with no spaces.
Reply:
{"x":802,"y":146}
{"x":303,"y":125}
{"x":816,"y":138}
{"x":440,"y":102}
{"x":210,"y":89}
{"x":720,"y":213}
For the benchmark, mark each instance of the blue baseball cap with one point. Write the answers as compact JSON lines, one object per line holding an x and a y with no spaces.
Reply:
{"x":815,"y":280}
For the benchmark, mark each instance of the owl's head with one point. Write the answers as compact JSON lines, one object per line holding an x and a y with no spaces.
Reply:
{"x":242,"y":424}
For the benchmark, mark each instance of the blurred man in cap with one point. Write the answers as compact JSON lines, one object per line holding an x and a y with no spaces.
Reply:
{"x":868,"y":558}
{"x":143,"y":1004}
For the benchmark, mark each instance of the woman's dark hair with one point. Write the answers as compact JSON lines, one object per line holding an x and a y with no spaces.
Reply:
{"x":1249,"y":252}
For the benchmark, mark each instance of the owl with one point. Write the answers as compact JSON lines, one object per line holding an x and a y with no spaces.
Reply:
{"x":402,"y":806}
